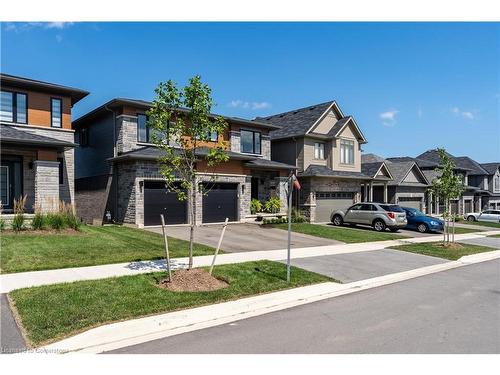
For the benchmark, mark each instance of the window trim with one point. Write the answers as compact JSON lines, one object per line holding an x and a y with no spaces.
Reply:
{"x":14,"y":106}
{"x":253,"y":142}
{"x":52,"y":112}
{"x":319,"y":149}
{"x":353,"y":151}
{"x":148,"y":140}
{"x":496,"y":179}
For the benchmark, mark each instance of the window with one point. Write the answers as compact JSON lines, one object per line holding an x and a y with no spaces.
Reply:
{"x":13,"y":107}
{"x":319,"y":150}
{"x":142,"y":128}
{"x":213,"y":136}
{"x":250,"y":142}
{"x":496,"y":184}
{"x":84,"y":137}
{"x":61,"y":170}
{"x":346,"y":151}
{"x":56,"y":112}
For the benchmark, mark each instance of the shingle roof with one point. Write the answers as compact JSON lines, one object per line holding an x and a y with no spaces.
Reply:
{"x":323,"y":171}
{"x":491,"y":168}
{"x":399,"y":170}
{"x":474,"y":167}
{"x":268,"y":164}
{"x":422,"y":163}
{"x":338,"y":125}
{"x":431,"y":174}
{"x":12,"y":135}
{"x":296,"y":122}
{"x":433,"y":156}
{"x":370,"y":169}
{"x":371,"y":158}
{"x":153,"y":153}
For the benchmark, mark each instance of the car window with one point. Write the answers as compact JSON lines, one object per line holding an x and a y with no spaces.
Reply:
{"x":391,"y":208}
{"x":496,"y":212}
{"x":366,"y":207}
{"x":356,"y":207}
{"x":487,"y":212}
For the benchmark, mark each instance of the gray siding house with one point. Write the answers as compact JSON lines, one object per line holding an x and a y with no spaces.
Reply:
{"x":118,"y":177}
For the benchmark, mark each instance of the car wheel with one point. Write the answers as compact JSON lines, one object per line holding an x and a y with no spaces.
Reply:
{"x":471,"y":218}
{"x":337,"y":220}
{"x":379,"y":225}
{"x":422,"y":228}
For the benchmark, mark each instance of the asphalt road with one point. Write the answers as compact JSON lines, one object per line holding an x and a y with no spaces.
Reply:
{"x":11,"y":340}
{"x":455,"y":311}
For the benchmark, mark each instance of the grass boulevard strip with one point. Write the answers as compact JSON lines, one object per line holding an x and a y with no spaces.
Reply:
{"x":49,"y":313}
{"x":436,"y":249}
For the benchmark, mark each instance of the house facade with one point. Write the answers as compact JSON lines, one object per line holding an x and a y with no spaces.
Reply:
{"x":325,"y":146}
{"x":37,"y":143}
{"x":407,"y":185}
{"x":118,"y":177}
{"x":491,"y":184}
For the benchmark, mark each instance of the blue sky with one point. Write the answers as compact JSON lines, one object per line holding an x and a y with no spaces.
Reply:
{"x":410,"y":86}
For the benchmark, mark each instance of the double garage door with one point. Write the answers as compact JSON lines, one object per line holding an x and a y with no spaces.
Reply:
{"x":411,"y":202}
{"x":328,"y":202}
{"x":219,"y":201}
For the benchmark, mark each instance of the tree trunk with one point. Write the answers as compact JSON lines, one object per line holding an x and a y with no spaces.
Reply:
{"x":193,"y":221}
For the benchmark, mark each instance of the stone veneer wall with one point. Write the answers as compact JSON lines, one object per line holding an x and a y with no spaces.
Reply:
{"x":311,"y":185}
{"x":46,"y":184}
{"x":126,"y":133}
{"x":131,"y":177}
{"x":265,"y":146}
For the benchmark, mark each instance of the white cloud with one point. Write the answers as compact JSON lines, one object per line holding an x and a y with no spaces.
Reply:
{"x":26,"y":26}
{"x":389,"y":117}
{"x":465,"y":114}
{"x":238,"y":103}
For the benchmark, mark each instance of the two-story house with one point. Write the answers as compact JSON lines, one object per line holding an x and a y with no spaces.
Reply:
{"x":37,"y":142}
{"x":118,"y":177}
{"x":491,"y":183}
{"x":325,"y":146}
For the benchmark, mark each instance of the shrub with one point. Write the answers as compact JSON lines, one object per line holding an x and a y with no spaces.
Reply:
{"x":55,"y":220}
{"x":255,"y":206}
{"x":18,"y":221}
{"x":2,"y":224}
{"x":297,"y":217}
{"x":38,"y":222}
{"x":272,"y":205}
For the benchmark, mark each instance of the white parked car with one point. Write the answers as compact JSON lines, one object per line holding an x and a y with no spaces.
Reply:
{"x":487,"y":215}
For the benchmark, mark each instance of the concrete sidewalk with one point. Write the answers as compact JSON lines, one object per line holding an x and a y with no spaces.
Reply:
{"x":9,"y":282}
{"x":136,"y":331}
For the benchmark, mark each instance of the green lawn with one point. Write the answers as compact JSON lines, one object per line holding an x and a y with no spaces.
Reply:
{"x":495,"y":235}
{"x":436,"y":250}
{"x":94,"y":245}
{"x":343,"y":234}
{"x":459,"y":230}
{"x":52,"y":312}
{"x":490,"y":224}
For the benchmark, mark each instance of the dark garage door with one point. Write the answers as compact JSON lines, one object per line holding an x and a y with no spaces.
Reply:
{"x":220,"y":201}
{"x":157,"y":201}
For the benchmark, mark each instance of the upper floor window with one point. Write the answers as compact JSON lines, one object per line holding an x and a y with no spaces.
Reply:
{"x":250,"y":142}
{"x":496,"y":183}
{"x":13,"y":107}
{"x":56,"y":112}
{"x":142,"y":128}
{"x":319,"y":150}
{"x":346,"y":151}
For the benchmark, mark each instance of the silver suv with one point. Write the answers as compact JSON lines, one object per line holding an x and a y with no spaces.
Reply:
{"x":378,"y":215}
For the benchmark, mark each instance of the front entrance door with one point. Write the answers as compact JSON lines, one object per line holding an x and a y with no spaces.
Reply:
{"x":10,"y":180}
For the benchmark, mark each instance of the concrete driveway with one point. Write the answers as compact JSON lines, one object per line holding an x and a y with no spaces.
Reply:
{"x":245,"y":237}
{"x":364,"y":265}
{"x":484,"y":241}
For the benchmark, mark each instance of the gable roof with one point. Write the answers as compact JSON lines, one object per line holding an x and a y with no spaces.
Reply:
{"x":491,"y":168}
{"x":433,"y":156}
{"x":297,"y":122}
{"x":372,"y":170}
{"x":474,"y":167}
{"x":143,"y":104}
{"x":401,"y":169}
{"x":371,"y":158}
{"x":422,"y":163}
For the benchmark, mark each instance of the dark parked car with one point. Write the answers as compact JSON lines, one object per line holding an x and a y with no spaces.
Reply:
{"x":421,"y":222}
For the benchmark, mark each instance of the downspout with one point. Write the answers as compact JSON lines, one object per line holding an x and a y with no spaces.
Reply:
{"x":112,"y":169}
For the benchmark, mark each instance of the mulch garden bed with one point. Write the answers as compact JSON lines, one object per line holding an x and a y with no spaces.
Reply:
{"x":194,"y":280}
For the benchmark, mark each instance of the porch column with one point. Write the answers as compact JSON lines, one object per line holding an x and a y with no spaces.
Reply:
{"x":365,"y":197}
{"x":371,"y":191}
{"x":430,"y":203}
{"x":46,"y":184}
{"x":385,"y":192}
{"x":436,"y":200}
{"x":480,"y":203}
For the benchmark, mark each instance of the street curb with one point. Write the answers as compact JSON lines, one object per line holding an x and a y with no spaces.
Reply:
{"x":137,"y":331}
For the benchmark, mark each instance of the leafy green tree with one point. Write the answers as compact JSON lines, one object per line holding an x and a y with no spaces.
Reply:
{"x":447,"y":186}
{"x":181,"y":126}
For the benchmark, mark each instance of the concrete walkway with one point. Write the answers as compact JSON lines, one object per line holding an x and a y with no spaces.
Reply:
{"x":136,"y":331}
{"x":9,"y":282}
